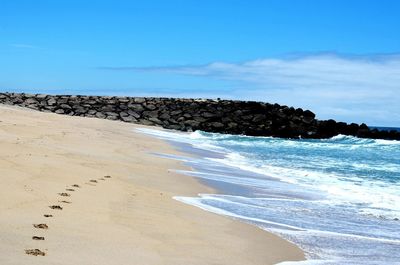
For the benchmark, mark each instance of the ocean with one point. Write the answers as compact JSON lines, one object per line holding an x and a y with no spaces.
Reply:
{"x":338,"y":199}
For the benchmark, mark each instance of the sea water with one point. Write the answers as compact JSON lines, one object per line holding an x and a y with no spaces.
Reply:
{"x":338,"y":199}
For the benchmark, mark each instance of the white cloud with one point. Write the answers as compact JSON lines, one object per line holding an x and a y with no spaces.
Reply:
{"x":349,"y":88}
{"x":23,"y":46}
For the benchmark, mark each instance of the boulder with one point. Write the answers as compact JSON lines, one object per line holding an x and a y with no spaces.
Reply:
{"x":150,"y":106}
{"x":51,"y":102}
{"x":65,"y":106}
{"x":136,"y":107}
{"x":134,"y":114}
{"x":139,"y":100}
{"x":128,"y":119}
{"x":258,"y":118}
{"x":192,"y":123}
{"x":156,"y":121}
{"x":216,"y":125}
{"x":100,"y":115}
{"x":150,"y":114}
{"x":164,"y":116}
{"x":208,"y":115}
{"x":175,"y":112}
{"x":31,"y":101}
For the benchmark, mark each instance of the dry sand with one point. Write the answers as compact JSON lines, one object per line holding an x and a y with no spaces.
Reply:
{"x":129,"y":218}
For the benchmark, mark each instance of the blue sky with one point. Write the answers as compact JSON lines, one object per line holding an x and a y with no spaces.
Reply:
{"x":338,"y":58}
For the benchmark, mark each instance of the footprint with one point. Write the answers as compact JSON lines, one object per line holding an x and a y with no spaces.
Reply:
{"x":38,"y":238}
{"x":35,"y":252}
{"x":47,"y":215}
{"x":64,"y":201}
{"x":76,"y":186}
{"x":56,"y":207}
{"x":64,"y":194}
{"x":41,"y":226}
{"x":69,"y":189}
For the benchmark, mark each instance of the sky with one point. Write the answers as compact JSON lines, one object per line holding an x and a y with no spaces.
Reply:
{"x":340,"y":59}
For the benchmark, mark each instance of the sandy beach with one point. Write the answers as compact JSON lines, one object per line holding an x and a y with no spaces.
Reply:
{"x":128,"y":218}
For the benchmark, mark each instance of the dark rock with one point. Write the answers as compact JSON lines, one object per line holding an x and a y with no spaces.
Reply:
{"x":123,"y":114}
{"x":136,"y":107}
{"x":175,"y":127}
{"x":208,"y":115}
{"x":156,"y":121}
{"x":165,"y":116}
{"x":112,"y":117}
{"x":351,"y":129}
{"x":150,"y":114}
{"x":192,"y":123}
{"x":79,"y":109}
{"x":150,"y":107}
{"x":308,"y":113}
{"x":175,"y":112}
{"x":308,"y":119}
{"x":259,"y":117}
{"x":41,"y":96}
{"x":134,"y":114}
{"x":139,"y":100}
{"x":123,"y":100}
{"x":128,"y":119}
{"x":247,"y":117}
{"x":65,"y":106}
{"x":100,"y":115}
{"x":30,"y":101}
{"x":146,"y":122}
{"x":51,"y":102}
{"x":217,"y":125}
{"x":232,"y":125}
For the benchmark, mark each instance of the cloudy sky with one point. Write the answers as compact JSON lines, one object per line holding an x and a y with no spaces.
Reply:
{"x":341,"y":59}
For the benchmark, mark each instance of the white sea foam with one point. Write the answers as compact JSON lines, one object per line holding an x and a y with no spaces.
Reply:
{"x":195,"y":138}
{"x":303,"y":237}
{"x":376,"y":194}
{"x":197,"y":202}
{"x":357,"y":182}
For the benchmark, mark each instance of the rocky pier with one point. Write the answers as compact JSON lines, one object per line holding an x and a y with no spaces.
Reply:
{"x":221,"y":116}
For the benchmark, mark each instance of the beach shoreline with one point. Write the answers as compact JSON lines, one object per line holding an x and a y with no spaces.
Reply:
{"x":129,"y":218}
{"x":306,"y":191}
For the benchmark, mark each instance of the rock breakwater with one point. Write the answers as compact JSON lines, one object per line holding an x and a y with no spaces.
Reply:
{"x":222,"y":116}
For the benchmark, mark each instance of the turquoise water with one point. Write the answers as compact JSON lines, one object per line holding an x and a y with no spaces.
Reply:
{"x":338,"y":199}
